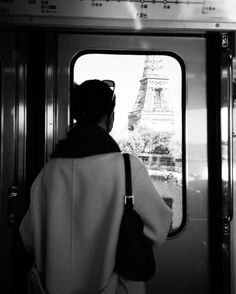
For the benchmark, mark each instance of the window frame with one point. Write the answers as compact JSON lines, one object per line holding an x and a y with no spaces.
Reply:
{"x":175,"y":232}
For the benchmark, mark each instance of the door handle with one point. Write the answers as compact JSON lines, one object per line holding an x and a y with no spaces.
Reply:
{"x":12,"y":204}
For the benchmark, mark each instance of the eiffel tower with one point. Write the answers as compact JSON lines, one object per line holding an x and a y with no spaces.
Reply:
{"x":153,"y":107}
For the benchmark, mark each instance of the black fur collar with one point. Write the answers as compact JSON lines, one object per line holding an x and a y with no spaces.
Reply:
{"x":85,"y":140}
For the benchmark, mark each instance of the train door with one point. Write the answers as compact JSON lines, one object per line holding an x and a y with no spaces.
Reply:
{"x":191,"y":261}
{"x":12,"y":157}
{"x":12,"y":150}
{"x":183,"y":262}
{"x":233,"y":228}
{"x":7,"y":151}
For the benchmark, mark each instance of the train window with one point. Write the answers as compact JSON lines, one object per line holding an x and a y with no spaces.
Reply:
{"x":148,"y":115}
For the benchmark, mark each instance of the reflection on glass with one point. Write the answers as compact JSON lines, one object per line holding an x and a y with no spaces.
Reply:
{"x":148,"y":115}
{"x":224,"y":142}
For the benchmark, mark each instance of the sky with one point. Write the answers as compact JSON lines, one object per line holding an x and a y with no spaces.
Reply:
{"x":126,"y":71}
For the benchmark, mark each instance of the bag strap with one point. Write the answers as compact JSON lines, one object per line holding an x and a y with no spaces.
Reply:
{"x":129,"y":198}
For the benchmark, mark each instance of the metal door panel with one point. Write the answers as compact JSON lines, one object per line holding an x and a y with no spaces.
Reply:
{"x":183,"y":261}
{"x":233,"y":226}
{"x":7,"y":86}
{"x":12,"y":150}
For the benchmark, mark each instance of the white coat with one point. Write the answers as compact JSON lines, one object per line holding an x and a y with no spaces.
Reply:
{"x":73,"y":221}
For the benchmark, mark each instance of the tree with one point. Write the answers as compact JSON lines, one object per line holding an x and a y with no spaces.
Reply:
{"x":146,"y":140}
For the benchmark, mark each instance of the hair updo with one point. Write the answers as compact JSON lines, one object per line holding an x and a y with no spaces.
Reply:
{"x":91,"y":100}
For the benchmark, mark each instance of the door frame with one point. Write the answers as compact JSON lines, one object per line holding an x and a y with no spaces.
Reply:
{"x":69,"y":45}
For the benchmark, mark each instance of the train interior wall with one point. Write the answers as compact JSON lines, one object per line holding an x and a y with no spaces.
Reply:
{"x":28,"y":62}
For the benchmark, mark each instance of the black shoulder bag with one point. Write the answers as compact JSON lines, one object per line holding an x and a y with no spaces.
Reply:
{"x":134,"y":255}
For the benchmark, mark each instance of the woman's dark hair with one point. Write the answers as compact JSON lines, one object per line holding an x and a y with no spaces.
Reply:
{"x":91,"y":100}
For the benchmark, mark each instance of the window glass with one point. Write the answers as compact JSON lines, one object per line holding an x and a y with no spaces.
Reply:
{"x":148,"y":115}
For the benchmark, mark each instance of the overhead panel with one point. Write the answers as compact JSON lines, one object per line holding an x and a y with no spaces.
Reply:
{"x":137,"y":14}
